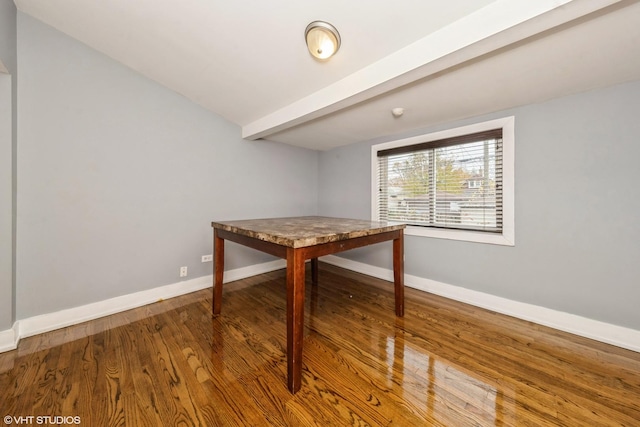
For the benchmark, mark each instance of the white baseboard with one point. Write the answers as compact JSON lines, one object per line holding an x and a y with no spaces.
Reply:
{"x":582,"y":326}
{"x":252,"y":270}
{"x":72,"y":316}
{"x":9,"y":338}
{"x":589,"y":328}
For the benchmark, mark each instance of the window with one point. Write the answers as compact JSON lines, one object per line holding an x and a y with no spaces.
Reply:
{"x":456,"y":184}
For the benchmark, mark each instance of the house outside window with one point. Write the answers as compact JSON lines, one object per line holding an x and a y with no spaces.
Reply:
{"x":456,"y":184}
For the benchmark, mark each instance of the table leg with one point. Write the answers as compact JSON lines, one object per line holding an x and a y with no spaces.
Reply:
{"x":398,"y":273}
{"x":218,"y":272}
{"x":295,"y":317}
{"x":314,"y":271}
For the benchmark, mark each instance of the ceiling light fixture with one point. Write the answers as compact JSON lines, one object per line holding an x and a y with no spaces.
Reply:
{"x":323,"y":40}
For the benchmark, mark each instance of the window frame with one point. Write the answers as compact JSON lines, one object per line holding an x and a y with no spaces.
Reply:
{"x":507,"y":236}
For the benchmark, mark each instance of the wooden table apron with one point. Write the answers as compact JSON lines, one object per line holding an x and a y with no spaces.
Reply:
{"x":296,"y":258}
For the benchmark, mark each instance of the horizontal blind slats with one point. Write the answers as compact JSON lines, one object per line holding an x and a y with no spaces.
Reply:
{"x":444,"y":185}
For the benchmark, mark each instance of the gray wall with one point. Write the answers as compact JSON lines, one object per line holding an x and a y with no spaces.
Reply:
{"x":8,"y":35}
{"x":7,"y":161}
{"x":119,"y":178}
{"x":577,"y":208}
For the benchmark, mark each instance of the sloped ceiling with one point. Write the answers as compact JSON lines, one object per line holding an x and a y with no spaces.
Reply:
{"x":439,"y":60}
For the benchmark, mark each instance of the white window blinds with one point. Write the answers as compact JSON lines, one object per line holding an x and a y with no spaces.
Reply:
{"x":450,"y":183}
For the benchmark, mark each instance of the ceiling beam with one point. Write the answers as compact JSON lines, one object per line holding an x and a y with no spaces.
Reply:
{"x":495,"y":26}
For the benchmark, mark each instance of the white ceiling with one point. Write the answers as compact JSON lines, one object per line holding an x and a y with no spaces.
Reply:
{"x":440,"y":60}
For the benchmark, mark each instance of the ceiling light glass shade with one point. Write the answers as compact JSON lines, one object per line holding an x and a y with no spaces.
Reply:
{"x":323,"y":40}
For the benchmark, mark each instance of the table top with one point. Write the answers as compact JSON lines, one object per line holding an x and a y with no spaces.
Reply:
{"x":299,"y":232}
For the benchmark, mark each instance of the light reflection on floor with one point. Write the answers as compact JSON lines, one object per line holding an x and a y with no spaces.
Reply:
{"x":434,"y":386}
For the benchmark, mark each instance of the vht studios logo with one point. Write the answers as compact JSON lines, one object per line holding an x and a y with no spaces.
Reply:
{"x":51,"y":420}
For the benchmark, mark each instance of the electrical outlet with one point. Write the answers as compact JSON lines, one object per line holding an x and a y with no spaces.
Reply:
{"x":183,"y":271}
{"x":207,"y":258}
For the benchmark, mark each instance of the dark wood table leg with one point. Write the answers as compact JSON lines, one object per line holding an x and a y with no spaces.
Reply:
{"x":314,"y":271}
{"x":295,"y":317}
{"x":398,"y":273}
{"x":218,"y":272}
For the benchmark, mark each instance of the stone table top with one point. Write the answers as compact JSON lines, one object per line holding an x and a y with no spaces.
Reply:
{"x":299,"y":232}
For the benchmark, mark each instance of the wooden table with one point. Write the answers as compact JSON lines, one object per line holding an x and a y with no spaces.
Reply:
{"x":297,"y":240}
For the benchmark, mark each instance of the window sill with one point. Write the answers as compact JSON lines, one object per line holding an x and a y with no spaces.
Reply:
{"x":504,"y":239}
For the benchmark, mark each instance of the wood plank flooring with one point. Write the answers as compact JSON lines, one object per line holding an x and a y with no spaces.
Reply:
{"x":443,"y":364}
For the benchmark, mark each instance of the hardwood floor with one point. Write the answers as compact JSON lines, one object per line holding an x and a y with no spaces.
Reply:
{"x":443,"y":364}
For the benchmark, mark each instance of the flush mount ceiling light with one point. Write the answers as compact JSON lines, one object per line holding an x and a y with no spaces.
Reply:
{"x":323,"y":40}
